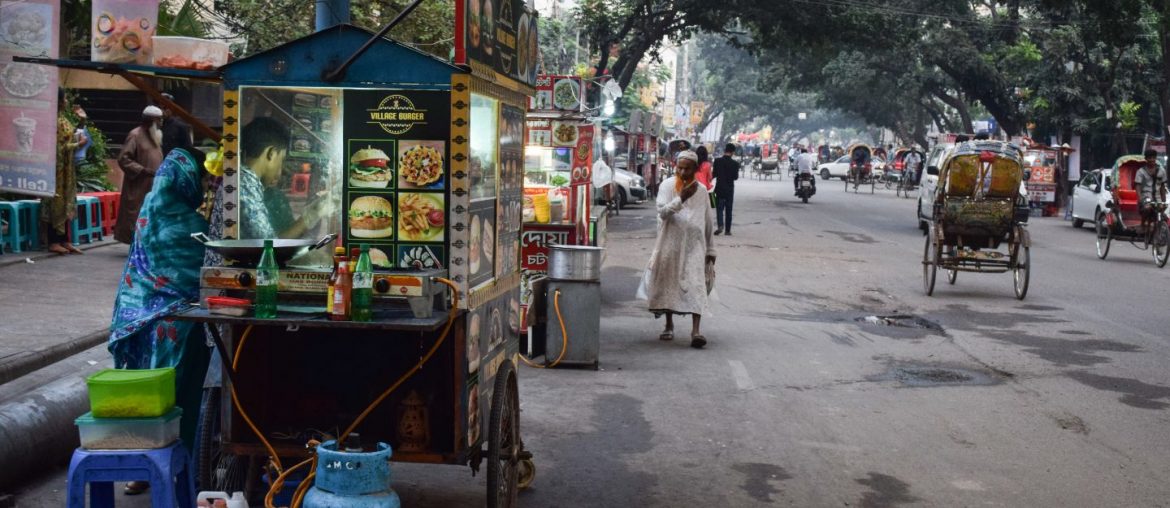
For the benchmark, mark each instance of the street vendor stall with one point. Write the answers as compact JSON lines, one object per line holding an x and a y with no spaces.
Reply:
{"x":420,"y":162}
{"x":558,"y":171}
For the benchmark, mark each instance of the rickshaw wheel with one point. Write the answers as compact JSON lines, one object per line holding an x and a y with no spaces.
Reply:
{"x":1161,"y":244}
{"x":527,"y":474}
{"x":1022,"y":270}
{"x":1104,"y":236}
{"x":503,"y":468}
{"x":929,"y":264}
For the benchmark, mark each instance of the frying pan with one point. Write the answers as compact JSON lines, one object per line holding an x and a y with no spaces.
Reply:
{"x":248,"y":252}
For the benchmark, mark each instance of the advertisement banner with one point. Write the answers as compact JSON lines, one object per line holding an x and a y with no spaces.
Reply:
{"x":557,"y":93}
{"x":28,"y":97}
{"x":501,"y":34}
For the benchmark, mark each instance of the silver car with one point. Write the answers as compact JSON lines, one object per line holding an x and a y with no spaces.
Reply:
{"x":1090,"y":196}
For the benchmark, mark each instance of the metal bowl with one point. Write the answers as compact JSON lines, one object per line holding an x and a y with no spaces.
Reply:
{"x":248,"y":252}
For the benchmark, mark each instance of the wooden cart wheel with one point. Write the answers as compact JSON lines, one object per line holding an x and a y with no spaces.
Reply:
{"x":527,"y":473}
{"x":1023,"y":267}
{"x":503,"y":468}
{"x":1104,"y":236}
{"x":1161,"y":244}
{"x":929,"y":264}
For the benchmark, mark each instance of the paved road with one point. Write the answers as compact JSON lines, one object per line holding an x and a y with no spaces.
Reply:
{"x":1060,"y":400}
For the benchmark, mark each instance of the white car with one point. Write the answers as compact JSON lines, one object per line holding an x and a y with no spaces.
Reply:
{"x":836,"y":169}
{"x":1090,"y":196}
{"x":929,"y":184}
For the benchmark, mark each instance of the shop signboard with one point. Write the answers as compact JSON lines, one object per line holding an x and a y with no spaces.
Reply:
{"x":557,"y":93}
{"x":28,"y":97}
{"x":1042,"y":183}
{"x":499,"y":34}
{"x":583,"y":156}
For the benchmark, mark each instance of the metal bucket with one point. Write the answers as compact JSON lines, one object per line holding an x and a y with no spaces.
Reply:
{"x":575,"y":262}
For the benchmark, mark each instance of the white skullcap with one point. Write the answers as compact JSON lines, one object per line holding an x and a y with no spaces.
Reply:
{"x":689,"y":155}
{"x":152,"y":111}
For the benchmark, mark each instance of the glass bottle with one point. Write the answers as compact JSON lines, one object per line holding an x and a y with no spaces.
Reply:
{"x":267,"y":281}
{"x":338,"y":257}
{"x":363,"y":287}
{"x":342,"y":291}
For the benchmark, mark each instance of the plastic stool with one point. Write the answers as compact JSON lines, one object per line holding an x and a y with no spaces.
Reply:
{"x":167,"y":469}
{"x":109,"y":202}
{"x":30,"y":222}
{"x":23,"y":219}
{"x":10,"y":239}
{"x":87,"y":226}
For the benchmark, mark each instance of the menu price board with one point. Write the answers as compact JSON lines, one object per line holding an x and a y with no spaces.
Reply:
{"x":583,"y":156}
{"x":28,"y":97}
{"x":509,"y":213}
{"x":501,"y":34}
{"x":396,"y":175}
{"x":558,"y":93}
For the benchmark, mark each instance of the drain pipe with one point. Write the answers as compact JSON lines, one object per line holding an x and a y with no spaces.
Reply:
{"x":331,"y":13}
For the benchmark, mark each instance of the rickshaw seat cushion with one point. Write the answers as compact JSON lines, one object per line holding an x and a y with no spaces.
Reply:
{"x":991,"y":218}
{"x":1127,"y":197}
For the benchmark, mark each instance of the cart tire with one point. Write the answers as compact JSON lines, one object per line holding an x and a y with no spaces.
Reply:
{"x":1023,"y":268}
{"x":929,"y":265}
{"x":527,"y":474}
{"x":1161,"y":241}
{"x":503,"y":468}
{"x":952,"y":275}
{"x":1104,"y":236}
{"x":207,"y":446}
{"x":804,"y":199}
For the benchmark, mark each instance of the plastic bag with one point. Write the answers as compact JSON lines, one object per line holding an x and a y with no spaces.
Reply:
{"x":710,"y":273}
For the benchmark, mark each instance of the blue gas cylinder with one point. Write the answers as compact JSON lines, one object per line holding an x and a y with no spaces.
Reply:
{"x":355,"y":479}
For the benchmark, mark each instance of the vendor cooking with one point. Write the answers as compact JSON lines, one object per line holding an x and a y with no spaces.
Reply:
{"x":264,"y":208}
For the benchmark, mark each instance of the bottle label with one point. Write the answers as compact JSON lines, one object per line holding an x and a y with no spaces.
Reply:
{"x":265,"y":278}
{"x":338,"y":303}
{"x":329,"y":301}
{"x":363,"y":280}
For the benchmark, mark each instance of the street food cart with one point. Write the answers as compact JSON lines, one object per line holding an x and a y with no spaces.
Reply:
{"x":558,"y":176}
{"x":1041,"y":183}
{"x":433,"y":374}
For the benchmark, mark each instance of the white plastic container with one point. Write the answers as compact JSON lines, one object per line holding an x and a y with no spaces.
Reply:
{"x":189,"y":52}
{"x":128,"y":433}
{"x":236,"y":500}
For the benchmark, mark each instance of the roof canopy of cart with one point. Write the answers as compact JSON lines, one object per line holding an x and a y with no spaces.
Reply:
{"x":307,"y":61}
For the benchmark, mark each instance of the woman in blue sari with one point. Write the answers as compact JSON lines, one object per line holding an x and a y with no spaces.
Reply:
{"x":162,"y":277}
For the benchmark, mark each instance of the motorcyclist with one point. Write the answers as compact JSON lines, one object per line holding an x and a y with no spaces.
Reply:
{"x":805,"y":163}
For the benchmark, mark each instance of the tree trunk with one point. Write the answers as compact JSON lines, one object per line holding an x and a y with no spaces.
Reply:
{"x":959,"y":106}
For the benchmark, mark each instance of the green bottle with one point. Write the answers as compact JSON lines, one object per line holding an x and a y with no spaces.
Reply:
{"x":267,"y":278}
{"x":363,"y":287}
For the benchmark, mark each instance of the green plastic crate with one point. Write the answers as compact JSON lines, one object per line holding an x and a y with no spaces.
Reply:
{"x":124,"y":393}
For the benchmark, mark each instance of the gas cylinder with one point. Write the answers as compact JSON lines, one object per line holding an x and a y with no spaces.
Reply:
{"x":352,"y":478}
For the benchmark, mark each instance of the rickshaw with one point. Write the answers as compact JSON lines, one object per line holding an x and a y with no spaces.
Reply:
{"x":980,"y":214}
{"x":907,"y":177}
{"x":1122,"y":218}
{"x":860,"y":174}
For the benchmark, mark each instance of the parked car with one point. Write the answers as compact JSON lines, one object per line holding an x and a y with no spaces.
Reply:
{"x":631,"y":188}
{"x":1090,"y":196}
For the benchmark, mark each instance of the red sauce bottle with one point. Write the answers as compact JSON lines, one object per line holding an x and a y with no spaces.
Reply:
{"x":342,"y":293}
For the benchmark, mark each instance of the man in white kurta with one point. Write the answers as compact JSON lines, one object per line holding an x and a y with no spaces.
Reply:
{"x":675,"y":281}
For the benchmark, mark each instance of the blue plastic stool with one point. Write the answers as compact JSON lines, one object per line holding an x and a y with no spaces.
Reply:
{"x":30,"y":222}
{"x":87,"y":226}
{"x":10,"y":239}
{"x":169,"y":471}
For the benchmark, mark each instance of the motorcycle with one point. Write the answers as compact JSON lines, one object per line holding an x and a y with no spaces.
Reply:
{"x":806,"y":186}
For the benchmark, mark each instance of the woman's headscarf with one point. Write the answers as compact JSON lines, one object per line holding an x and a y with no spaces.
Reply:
{"x":162,"y":271}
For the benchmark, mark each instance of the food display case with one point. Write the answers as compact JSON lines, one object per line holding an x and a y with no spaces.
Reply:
{"x":422,"y":162}
{"x":558,"y":176}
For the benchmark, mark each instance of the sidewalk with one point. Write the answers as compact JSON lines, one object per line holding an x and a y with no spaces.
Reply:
{"x":55,"y":306}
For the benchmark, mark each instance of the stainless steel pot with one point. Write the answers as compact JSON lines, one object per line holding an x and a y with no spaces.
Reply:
{"x":575,"y":262}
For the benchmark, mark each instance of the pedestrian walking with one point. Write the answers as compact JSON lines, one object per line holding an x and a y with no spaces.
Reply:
{"x":676,"y":280}
{"x":139,"y":159}
{"x":726,"y":173}
{"x":161,"y":277}
{"x":704,"y":174}
{"x":59,"y":210}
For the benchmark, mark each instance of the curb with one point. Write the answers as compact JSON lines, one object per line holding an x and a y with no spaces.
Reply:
{"x":30,"y":361}
{"x":10,"y":258}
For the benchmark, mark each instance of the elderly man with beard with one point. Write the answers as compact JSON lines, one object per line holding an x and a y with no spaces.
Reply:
{"x":675,"y":281}
{"x":139,"y":160}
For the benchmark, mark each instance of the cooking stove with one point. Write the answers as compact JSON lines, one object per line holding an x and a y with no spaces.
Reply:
{"x":308,"y":286}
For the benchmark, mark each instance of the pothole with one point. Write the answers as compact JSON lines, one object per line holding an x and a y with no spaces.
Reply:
{"x":902,"y":321}
{"x":933,"y":375}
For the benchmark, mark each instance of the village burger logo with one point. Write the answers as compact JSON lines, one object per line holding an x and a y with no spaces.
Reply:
{"x":396,"y":114}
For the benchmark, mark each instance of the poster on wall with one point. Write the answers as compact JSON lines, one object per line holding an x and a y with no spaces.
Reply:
{"x":501,"y":34}
{"x":396,"y":176}
{"x":28,"y":97}
{"x":122,"y":31}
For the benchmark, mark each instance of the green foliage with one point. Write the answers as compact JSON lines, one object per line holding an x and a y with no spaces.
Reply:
{"x":1127,"y":115}
{"x":176,"y":18}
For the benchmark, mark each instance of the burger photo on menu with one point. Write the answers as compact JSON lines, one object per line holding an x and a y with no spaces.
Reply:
{"x":370,"y":168}
{"x":371,"y":217}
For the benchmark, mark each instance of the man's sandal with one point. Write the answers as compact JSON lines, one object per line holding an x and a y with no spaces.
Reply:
{"x":667,"y":335}
{"x":698,"y":341}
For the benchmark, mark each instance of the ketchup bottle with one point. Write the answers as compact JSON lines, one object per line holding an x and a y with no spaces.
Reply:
{"x":342,"y":293}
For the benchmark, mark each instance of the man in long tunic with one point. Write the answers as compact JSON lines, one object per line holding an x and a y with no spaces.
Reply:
{"x":675,"y":281}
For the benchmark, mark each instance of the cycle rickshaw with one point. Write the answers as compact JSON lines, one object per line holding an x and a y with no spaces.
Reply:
{"x":1122,"y":219}
{"x":980,"y":214}
{"x":860,"y":174}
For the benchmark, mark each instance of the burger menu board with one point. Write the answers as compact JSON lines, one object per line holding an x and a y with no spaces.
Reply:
{"x":396,"y":175}
{"x":502,"y":34}
{"x":509,"y":213}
